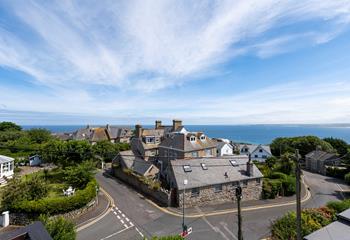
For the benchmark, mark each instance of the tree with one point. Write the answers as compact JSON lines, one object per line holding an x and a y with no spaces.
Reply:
{"x":9,"y":126}
{"x":287,"y":163}
{"x":59,"y":228}
{"x":105,"y":149}
{"x":271,"y":161}
{"x":78,"y":176}
{"x":338,"y":144}
{"x":39,"y":135}
{"x":305,"y":144}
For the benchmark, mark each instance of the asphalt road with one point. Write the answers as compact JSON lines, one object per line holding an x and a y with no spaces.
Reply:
{"x":147,"y":220}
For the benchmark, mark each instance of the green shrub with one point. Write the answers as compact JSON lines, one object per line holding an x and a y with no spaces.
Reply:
{"x":278,"y":175}
{"x":271,"y":188}
{"x":58,"y":204}
{"x":311,"y":220}
{"x":78,"y":176}
{"x":289,"y":186}
{"x":59,"y":228}
{"x":347,"y":178}
{"x":339,"y":206}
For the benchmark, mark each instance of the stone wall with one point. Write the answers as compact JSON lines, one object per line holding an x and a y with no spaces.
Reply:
{"x":207,"y":196}
{"x":25,"y":219}
{"x":160,"y":196}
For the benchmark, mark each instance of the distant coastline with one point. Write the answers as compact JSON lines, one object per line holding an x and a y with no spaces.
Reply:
{"x":253,"y":133}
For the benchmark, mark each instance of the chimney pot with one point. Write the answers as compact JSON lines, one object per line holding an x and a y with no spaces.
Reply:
{"x":158,"y":124}
{"x":176,"y":124}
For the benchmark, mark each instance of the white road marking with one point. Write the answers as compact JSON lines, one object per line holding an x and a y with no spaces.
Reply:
{"x":113,"y":234}
{"x":118,"y":217}
{"x":126,"y":225}
{"x":119,"y":211}
{"x":127,"y":219}
{"x":114,"y":213}
{"x":228,"y":230}
{"x":341,"y":191}
{"x":122,"y":221}
{"x":139,"y":232}
{"x":131,"y":224}
{"x":123,"y":215}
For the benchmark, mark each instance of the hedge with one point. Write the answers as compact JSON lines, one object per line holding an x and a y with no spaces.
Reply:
{"x":278,"y":184}
{"x":312,"y":220}
{"x":278,"y":175}
{"x":339,"y":206}
{"x":58,"y":204}
{"x":336,"y":172}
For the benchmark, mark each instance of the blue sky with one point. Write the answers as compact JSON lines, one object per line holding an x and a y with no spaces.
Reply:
{"x":206,"y":62}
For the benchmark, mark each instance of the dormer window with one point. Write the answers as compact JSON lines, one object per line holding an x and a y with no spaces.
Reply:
{"x":193,"y":138}
{"x":260,"y":150}
{"x":202,"y":137}
{"x":187,"y":168}
{"x":204,"y":167}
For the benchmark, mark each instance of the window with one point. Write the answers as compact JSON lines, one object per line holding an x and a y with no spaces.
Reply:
{"x":234,"y":163}
{"x":194,"y":154}
{"x":217,"y":188}
{"x":256,"y":156}
{"x":244,"y":183}
{"x":260,"y":150}
{"x":192,"y":138}
{"x":202,"y":137}
{"x":264,"y":156}
{"x":150,"y":139}
{"x":187,"y":168}
{"x":204,"y":167}
{"x":208,"y":152}
{"x":195,"y":192}
{"x":258,"y":180}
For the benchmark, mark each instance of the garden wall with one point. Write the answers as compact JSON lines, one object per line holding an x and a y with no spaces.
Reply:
{"x":160,"y":196}
{"x":25,"y":218}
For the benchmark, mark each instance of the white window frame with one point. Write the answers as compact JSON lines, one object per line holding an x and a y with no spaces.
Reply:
{"x":195,"y":192}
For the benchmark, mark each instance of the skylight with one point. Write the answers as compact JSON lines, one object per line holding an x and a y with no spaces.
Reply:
{"x":187,"y":168}
{"x":204,"y":167}
{"x":234,"y":163}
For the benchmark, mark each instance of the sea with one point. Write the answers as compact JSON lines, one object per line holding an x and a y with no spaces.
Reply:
{"x":257,"y":134}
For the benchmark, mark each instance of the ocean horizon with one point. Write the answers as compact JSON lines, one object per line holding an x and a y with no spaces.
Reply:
{"x":258,"y":133}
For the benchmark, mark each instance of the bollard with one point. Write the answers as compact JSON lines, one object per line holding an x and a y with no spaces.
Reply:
{"x":5,"y":219}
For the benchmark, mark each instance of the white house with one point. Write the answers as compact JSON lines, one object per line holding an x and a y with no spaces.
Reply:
{"x":6,"y":168}
{"x":258,"y":152}
{"x":224,"y":148}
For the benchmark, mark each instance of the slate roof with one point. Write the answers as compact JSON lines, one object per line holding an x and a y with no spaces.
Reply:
{"x":98,"y":134}
{"x":137,"y":164}
{"x":215,"y":174}
{"x":34,"y":231}
{"x":115,"y":132}
{"x":253,"y":147}
{"x":153,"y":132}
{"x":339,"y":230}
{"x":321,"y":155}
{"x":181,"y":141}
{"x":5,"y":159}
{"x":221,"y":144}
{"x":82,"y":134}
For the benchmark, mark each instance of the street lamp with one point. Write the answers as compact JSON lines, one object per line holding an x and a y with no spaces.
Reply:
{"x":184,"y":227}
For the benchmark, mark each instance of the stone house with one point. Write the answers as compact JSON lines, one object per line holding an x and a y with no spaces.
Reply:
{"x":258,"y":152}
{"x":118,"y":134}
{"x":185,"y":145}
{"x":128,"y":160}
{"x":318,"y":160}
{"x":213,"y":180}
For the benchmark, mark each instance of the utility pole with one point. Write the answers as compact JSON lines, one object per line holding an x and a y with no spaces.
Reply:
{"x":184,"y":227}
{"x":298,"y":188}
{"x":238,"y":197}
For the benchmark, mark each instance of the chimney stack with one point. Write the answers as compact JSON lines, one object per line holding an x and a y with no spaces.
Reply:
{"x":176,"y":124}
{"x":158,"y":124}
{"x":250,"y":166}
{"x":138,"y":130}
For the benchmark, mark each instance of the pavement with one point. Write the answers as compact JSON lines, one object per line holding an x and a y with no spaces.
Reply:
{"x":101,"y":207}
{"x":147,"y":219}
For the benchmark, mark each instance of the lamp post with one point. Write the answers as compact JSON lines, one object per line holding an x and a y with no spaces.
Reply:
{"x":184,"y":227}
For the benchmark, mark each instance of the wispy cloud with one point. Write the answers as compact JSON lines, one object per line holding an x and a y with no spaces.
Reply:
{"x":150,"y":44}
{"x":115,"y":55}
